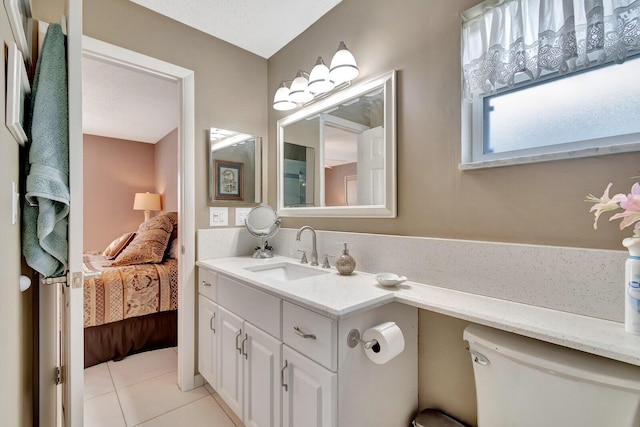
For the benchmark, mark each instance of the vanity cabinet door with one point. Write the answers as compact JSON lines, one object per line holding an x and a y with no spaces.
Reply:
{"x":230,"y":359}
{"x":309,"y":394}
{"x":207,"y":340}
{"x":263,"y":355}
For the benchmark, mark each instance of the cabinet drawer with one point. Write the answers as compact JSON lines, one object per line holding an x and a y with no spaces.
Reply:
{"x":208,"y":283}
{"x":259,"y":308}
{"x":321,"y":341}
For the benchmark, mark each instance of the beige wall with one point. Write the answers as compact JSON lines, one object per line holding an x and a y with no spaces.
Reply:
{"x":445,"y":371}
{"x":166,"y":170}
{"x":114,"y":170}
{"x":538,"y":203}
{"x":16,"y":324}
{"x":230,"y":83}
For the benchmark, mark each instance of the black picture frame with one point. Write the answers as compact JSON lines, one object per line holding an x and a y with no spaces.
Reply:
{"x":229,"y":182}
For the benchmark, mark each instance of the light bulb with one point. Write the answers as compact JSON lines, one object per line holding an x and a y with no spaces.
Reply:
{"x":343,"y":65}
{"x":319,"y":81}
{"x":281,"y":100}
{"x":299,"y":91}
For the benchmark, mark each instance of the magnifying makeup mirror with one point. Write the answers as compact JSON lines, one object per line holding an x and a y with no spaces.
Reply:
{"x":263,"y":222}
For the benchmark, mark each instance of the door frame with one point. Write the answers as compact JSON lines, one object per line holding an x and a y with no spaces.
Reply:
{"x":97,"y":49}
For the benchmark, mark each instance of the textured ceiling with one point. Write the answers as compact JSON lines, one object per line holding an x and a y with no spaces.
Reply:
{"x":262,"y":27}
{"x":123,"y":103}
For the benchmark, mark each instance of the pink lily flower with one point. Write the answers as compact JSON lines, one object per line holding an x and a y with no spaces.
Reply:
{"x":605,"y":203}
{"x":631,"y":206}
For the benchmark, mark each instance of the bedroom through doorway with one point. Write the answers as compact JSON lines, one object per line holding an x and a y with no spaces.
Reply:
{"x":137,"y":143}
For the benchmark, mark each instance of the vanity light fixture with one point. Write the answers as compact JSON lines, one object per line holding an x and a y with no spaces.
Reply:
{"x":343,"y":65}
{"x":299,"y":92}
{"x":281,"y":101}
{"x":319,"y":80}
{"x":322,"y":80}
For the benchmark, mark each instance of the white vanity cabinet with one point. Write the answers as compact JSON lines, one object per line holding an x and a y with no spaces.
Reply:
{"x":327,"y":383}
{"x":238,"y":359}
{"x":208,"y":339}
{"x":230,"y":384}
{"x":208,"y":326}
{"x":279,"y":363}
{"x":310,"y":392}
{"x":249,"y":371}
{"x":263,"y":354}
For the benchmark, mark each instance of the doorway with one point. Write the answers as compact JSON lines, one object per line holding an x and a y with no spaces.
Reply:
{"x":184,"y":81}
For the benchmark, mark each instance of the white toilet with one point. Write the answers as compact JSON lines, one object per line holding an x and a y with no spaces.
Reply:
{"x":522,"y":382}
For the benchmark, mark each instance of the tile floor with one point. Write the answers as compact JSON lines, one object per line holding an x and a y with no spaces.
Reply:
{"x":142,"y":390}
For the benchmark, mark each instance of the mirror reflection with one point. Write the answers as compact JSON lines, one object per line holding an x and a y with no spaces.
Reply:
{"x":337,"y":158}
{"x":234,"y":167}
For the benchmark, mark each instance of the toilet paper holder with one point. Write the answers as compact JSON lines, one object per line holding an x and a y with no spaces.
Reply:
{"x":353,"y":339}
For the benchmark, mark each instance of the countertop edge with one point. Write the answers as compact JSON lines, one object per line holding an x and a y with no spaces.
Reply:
{"x":588,"y":334}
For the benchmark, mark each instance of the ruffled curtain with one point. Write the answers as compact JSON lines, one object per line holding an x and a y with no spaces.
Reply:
{"x":536,"y":37}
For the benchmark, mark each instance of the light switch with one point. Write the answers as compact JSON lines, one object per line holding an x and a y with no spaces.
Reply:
{"x":218,"y":217}
{"x":241,"y":214}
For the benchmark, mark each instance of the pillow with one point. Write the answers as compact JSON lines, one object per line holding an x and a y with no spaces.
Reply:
{"x":173,"y":217}
{"x":118,"y":245}
{"x":149,"y":244}
{"x":172,"y":249}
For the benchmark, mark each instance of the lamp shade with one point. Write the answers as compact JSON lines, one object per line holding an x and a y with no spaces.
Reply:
{"x":147,"y":202}
{"x":299,"y":91}
{"x":281,"y":100}
{"x":343,"y":65}
{"x":319,"y":80}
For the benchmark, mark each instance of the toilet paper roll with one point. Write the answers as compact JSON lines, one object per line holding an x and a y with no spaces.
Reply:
{"x":390,"y":342}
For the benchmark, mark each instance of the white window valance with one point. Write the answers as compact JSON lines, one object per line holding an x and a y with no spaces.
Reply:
{"x":535,"y":37}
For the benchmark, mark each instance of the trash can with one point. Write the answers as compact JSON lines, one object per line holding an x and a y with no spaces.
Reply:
{"x":435,"y":418}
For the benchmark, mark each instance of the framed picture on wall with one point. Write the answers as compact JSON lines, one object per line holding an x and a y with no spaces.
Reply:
{"x":18,"y":90}
{"x":19,"y":13}
{"x":229,"y":183}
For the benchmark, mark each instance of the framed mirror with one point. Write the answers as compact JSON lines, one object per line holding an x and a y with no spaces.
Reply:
{"x":235,"y":174}
{"x":337,"y":156}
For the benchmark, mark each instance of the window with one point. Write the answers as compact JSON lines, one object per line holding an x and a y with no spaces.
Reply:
{"x":543,"y":93}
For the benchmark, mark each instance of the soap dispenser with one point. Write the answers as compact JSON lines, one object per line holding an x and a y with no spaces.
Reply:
{"x":345,"y":262}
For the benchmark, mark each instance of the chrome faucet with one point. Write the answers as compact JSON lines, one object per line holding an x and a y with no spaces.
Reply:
{"x":314,"y":250}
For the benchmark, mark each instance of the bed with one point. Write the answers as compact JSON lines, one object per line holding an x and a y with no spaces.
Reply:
{"x":131,"y":293}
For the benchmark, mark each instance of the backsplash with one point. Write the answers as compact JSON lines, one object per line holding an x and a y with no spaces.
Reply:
{"x":581,"y":281}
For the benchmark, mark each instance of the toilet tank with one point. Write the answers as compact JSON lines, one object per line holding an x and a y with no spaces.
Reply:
{"x":522,"y":382}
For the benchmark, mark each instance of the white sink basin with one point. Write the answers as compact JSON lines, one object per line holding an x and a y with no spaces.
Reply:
{"x":285,"y":271}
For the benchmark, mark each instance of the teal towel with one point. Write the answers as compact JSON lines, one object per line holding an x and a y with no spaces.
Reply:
{"x":46,"y":206}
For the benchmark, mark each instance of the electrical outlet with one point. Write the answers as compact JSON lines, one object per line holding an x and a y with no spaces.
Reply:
{"x":241,"y":214}
{"x":218,"y":217}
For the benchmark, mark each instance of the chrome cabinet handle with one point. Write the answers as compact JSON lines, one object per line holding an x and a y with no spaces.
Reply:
{"x":205,"y":283}
{"x":303,"y":334}
{"x":211,"y":325}
{"x":282,"y":382}
{"x":244,"y":351}
{"x":237,"y":346}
